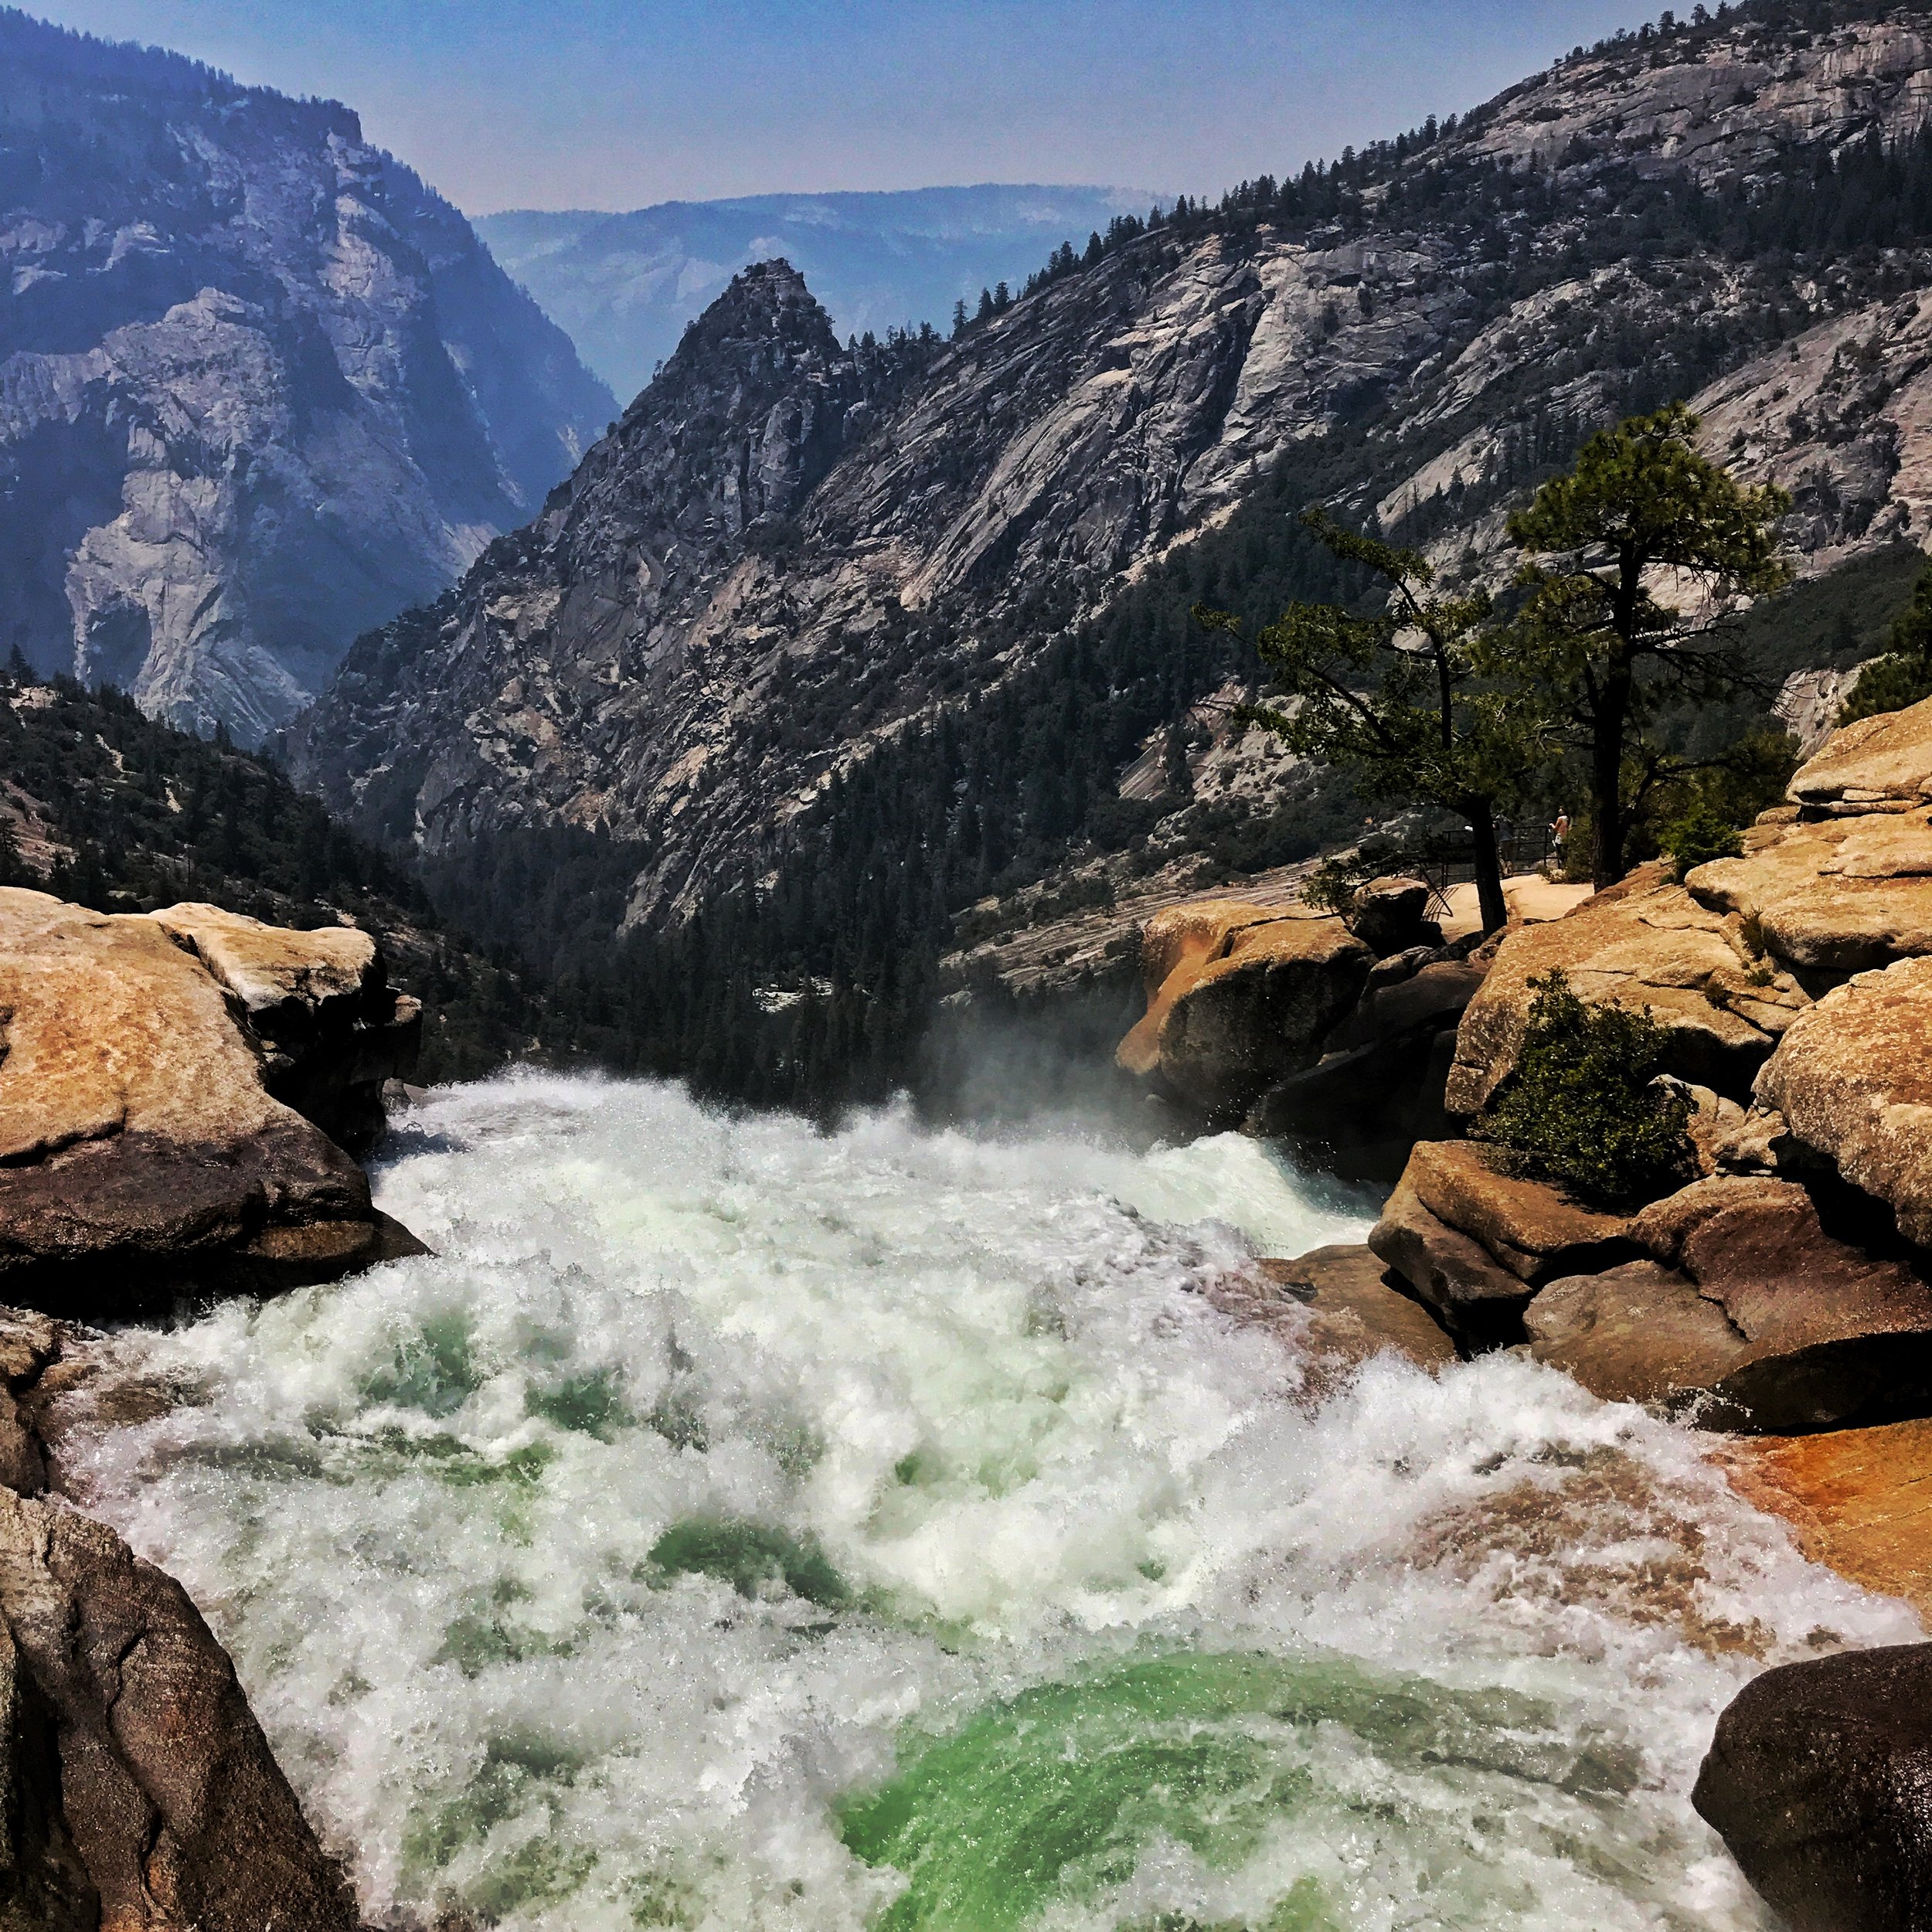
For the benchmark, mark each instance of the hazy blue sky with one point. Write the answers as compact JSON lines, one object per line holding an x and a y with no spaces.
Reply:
{"x":613,"y":104}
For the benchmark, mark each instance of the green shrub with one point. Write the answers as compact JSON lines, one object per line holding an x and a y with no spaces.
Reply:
{"x":1580,"y":1108}
{"x":1332,"y":885}
{"x":1700,"y":835}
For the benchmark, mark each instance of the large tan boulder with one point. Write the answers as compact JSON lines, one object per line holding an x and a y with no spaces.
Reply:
{"x":1831,"y":897}
{"x":140,"y":1149}
{"x":1882,"y":764}
{"x":1852,"y":1080}
{"x":1644,"y":944}
{"x":320,"y":1005}
{"x":1747,"y":1312}
{"x":1477,"y":1300}
{"x":141,"y":1794}
{"x":1249,"y":1000}
{"x":1534,"y":1230}
{"x":1177,"y":945}
{"x":1637,"y":1332}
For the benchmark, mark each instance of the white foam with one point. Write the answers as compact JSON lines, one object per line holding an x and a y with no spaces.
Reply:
{"x":969,"y":1371}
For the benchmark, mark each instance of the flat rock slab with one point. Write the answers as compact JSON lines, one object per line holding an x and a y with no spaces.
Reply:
{"x":1859,"y":1500}
{"x":271,"y":970}
{"x":1839,"y":896}
{"x":1819,"y":1780}
{"x":1882,"y":764}
{"x":319,"y":1004}
{"x":1530,"y":897}
{"x":1853,"y":1078}
{"x":1535,"y":1231}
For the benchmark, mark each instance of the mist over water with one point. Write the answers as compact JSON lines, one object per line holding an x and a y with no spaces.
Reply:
{"x":733,"y":1526}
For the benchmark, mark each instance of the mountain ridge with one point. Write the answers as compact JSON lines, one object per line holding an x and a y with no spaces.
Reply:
{"x":966,"y":640}
{"x":260,"y":387}
{"x":625,"y":284}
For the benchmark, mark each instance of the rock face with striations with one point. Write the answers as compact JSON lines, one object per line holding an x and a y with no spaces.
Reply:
{"x":139,"y":1789}
{"x":260,"y":387}
{"x":142,"y":1150}
{"x":136,"y":1787}
{"x":867,"y":560}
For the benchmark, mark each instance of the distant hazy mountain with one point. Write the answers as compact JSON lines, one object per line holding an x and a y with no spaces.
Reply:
{"x":625,"y":286}
{"x":260,"y":386}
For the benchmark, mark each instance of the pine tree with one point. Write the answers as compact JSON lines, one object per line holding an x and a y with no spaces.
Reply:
{"x":1903,"y":675}
{"x":1396,"y":699}
{"x":1641,"y":514}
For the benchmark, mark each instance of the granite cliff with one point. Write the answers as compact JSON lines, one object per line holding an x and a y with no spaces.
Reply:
{"x":702,"y":659}
{"x":260,"y":387}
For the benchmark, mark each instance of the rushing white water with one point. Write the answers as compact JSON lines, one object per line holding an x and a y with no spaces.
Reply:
{"x":717,"y":1476}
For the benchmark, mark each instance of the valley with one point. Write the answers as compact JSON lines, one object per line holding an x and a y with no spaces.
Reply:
{"x":1108,"y":1112}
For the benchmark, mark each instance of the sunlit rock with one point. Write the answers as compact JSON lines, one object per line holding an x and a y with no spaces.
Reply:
{"x":1749,"y":1314}
{"x":1852,"y":1079}
{"x":1645,"y":943}
{"x":142,"y":1150}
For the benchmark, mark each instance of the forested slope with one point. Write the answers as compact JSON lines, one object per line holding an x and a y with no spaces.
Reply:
{"x":826,"y":644}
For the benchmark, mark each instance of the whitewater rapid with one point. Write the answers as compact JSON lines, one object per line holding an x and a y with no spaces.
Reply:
{"x":735,"y":1527}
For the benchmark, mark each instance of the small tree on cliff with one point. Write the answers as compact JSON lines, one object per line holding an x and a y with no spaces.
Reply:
{"x":1396,"y":698}
{"x":1642,"y":521}
{"x":1903,"y":675}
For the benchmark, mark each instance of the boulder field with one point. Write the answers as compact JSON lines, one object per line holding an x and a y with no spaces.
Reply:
{"x":1780,"y":1297}
{"x":181,"y":1094}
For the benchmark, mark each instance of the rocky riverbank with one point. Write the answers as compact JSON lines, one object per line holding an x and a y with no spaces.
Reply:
{"x":1779,"y":1296}
{"x":179,"y":1096}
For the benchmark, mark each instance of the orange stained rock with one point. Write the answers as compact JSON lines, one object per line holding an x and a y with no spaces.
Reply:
{"x":1860,"y":1500}
{"x":1177,"y":947}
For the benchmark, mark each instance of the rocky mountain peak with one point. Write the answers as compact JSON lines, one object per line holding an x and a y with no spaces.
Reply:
{"x":789,"y":559}
{"x":740,"y":424}
{"x":767,"y":310}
